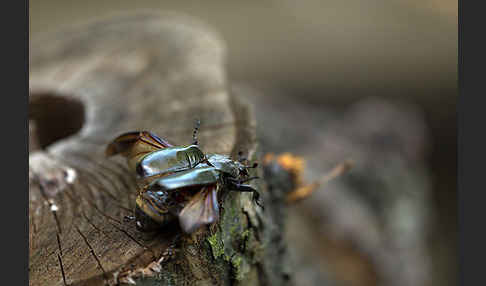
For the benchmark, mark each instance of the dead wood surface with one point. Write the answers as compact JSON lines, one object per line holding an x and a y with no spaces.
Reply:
{"x":89,"y":84}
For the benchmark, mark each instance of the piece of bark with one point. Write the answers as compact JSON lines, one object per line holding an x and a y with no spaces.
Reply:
{"x":156,"y":72}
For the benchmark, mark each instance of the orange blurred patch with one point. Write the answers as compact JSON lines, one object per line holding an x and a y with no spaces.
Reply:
{"x":295,"y":166}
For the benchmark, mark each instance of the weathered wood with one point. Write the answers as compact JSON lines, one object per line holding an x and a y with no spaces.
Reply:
{"x":140,"y":72}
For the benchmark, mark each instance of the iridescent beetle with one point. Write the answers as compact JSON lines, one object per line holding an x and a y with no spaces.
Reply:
{"x":178,"y":181}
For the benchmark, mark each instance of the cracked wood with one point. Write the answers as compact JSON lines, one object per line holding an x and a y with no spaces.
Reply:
{"x":140,"y":72}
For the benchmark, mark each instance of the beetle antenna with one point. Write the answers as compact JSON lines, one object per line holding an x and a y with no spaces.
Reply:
{"x":194,"y":133}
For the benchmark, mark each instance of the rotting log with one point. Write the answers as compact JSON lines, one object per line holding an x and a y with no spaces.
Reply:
{"x":145,"y":71}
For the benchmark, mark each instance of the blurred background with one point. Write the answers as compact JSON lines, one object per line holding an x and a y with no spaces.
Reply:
{"x":372,"y":80}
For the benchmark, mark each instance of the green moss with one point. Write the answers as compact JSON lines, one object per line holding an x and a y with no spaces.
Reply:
{"x":236,"y":261}
{"x":232,"y":241}
{"x":239,"y":267}
{"x":245,"y":234}
{"x":217,"y":246}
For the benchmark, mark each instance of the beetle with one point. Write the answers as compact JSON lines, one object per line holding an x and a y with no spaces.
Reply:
{"x":178,"y":182}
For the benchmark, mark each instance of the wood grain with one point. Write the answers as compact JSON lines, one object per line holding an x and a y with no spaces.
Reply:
{"x":133,"y":72}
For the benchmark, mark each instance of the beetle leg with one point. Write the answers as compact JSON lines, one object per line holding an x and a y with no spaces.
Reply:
{"x":170,"y":250}
{"x":238,"y":187}
{"x":249,"y":179}
{"x":252,"y":166}
{"x":236,"y":181}
{"x":156,"y":266}
{"x":206,"y":161}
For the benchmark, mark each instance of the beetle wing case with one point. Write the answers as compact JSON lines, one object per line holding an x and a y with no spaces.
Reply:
{"x":168,"y":160}
{"x":200,"y":176}
{"x":138,"y":141}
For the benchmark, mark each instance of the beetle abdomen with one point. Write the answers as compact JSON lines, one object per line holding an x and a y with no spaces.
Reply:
{"x":152,"y":208}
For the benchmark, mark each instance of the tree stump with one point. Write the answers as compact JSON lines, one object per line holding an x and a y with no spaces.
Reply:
{"x":88,"y":84}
